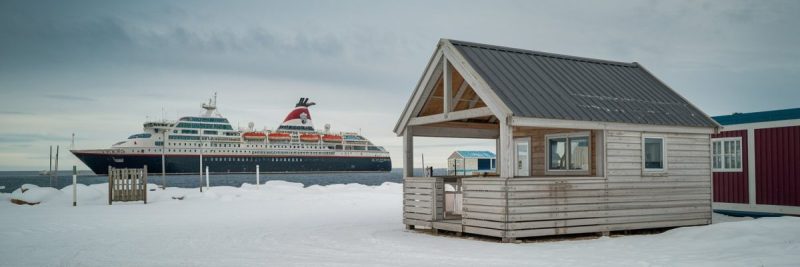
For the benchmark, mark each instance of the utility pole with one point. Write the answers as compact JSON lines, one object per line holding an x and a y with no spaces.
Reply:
{"x":56,"y":170}
{"x":201,"y":160}
{"x":424,"y":170}
{"x":50,"y":172}
{"x":163,"y":159}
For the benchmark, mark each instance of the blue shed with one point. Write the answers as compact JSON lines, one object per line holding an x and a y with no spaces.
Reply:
{"x":466,"y":162}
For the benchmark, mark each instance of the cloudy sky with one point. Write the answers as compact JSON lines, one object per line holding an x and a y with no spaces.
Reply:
{"x":101,"y":68}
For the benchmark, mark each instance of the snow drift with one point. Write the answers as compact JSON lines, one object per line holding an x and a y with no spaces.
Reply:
{"x":286,"y":224}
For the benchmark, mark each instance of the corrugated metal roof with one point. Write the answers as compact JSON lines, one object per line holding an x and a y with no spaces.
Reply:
{"x":761,"y":116}
{"x":543,"y":85}
{"x":476,"y":154}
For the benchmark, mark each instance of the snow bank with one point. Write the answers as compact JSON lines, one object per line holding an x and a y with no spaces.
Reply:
{"x":285,"y":224}
{"x":32,"y":194}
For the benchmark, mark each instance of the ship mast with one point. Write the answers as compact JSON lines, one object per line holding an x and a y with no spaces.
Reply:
{"x":211,"y":106}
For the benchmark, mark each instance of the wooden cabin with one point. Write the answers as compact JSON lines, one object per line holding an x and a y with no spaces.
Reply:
{"x":756,"y":163}
{"x":583,"y":145}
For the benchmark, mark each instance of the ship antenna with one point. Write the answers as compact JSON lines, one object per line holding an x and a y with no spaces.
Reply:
{"x":211,"y":106}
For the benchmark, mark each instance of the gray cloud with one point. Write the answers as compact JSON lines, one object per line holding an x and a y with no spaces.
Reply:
{"x":70,"y":97}
{"x":358,"y":59}
{"x":31,"y":137}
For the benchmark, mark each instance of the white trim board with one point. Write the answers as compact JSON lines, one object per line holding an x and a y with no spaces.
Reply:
{"x":593,"y":125}
{"x":761,"y":125}
{"x":451,"y":116}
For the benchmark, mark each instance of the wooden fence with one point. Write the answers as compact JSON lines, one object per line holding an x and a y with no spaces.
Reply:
{"x":127,"y":184}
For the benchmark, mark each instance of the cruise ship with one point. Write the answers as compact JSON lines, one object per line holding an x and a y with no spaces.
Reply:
{"x":193,"y":143}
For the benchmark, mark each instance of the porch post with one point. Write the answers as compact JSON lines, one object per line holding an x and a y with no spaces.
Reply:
{"x":498,"y":155}
{"x":506,"y":148}
{"x":408,"y":152}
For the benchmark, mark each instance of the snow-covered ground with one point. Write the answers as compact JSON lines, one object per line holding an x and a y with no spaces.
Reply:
{"x":284,"y":224}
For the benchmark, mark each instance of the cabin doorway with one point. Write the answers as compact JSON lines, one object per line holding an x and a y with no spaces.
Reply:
{"x":522,"y":156}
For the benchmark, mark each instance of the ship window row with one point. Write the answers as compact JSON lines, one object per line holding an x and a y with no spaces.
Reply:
{"x":141,"y":135}
{"x":227,"y":159}
{"x":195,"y":144}
{"x":198,"y":119}
{"x":204,"y":126}
{"x":183,"y":137}
{"x":189,"y":131}
{"x":294,"y":127}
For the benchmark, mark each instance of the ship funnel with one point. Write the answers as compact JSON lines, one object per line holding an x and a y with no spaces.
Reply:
{"x":299,"y":119}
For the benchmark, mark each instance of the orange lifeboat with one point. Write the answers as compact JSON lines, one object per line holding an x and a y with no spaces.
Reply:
{"x":279,"y":137}
{"x":332,"y":138}
{"x":254,"y":136}
{"x":309,"y":137}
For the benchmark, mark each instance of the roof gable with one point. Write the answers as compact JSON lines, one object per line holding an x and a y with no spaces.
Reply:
{"x":543,"y":85}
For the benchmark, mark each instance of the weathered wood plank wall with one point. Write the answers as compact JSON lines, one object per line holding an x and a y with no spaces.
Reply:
{"x":423,"y":200}
{"x":127,"y":184}
{"x":626,"y":199}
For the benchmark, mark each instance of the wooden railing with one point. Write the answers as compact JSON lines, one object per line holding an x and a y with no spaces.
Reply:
{"x":127,"y":184}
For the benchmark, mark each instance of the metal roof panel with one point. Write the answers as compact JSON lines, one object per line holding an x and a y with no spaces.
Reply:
{"x":545,"y":85}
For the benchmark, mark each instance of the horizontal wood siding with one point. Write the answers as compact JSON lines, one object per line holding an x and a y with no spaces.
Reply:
{"x":627,"y":199}
{"x":420,"y":201}
{"x":731,"y":187}
{"x":484,"y":205}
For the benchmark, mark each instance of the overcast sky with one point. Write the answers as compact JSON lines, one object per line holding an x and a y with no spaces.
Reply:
{"x":101,"y":68}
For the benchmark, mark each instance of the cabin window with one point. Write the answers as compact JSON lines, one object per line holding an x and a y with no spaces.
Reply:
{"x":727,"y":154}
{"x":568,"y":152}
{"x":653,"y":153}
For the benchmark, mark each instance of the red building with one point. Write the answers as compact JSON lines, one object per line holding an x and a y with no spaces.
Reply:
{"x":756,"y":163}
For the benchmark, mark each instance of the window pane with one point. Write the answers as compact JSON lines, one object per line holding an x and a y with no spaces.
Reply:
{"x":717,"y":162}
{"x":579,"y":153}
{"x":738,"y":157}
{"x":558,"y":155}
{"x":717,"y":148}
{"x":653,"y":153}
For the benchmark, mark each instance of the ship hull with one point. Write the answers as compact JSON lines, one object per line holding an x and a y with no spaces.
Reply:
{"x":190,"y":164}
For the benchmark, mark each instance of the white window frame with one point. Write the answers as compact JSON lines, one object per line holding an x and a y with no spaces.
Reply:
{"x":663,"y":168}
{"x":722,"y":141}
{"x":547,"y":138}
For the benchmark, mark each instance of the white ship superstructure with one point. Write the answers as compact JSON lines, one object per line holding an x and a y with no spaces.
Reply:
{"x":295,"y":146}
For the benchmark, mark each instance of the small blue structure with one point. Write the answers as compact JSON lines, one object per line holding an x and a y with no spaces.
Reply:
{"x":463,"y":162}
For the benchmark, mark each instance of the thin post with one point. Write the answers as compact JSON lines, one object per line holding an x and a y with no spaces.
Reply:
{"x":258,"y":179}
{"x":144,"y":192}
{"x":201,"y":161}
{"x":110,"y":183}
{"x":50,"y":172}
{"x":163,"y":160}
{"x":74,"y":186}
{"x":56,"y":171}
{"x":424,"y":171}
{"x":207,"y":183}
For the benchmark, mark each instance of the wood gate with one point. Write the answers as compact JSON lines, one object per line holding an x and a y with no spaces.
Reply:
{"x":127,"y":184}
